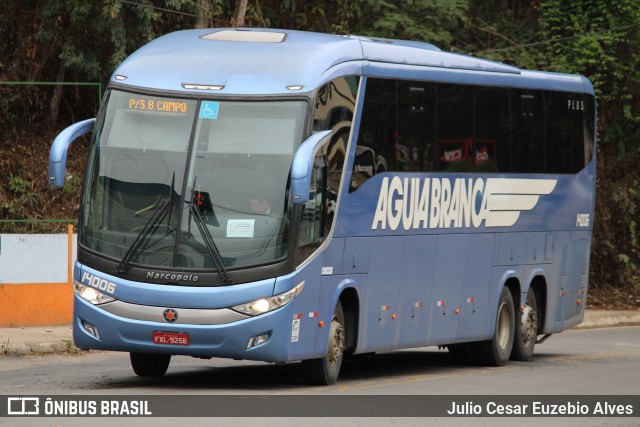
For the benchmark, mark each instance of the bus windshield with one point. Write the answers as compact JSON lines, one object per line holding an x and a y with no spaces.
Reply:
{"x":182,"y":183}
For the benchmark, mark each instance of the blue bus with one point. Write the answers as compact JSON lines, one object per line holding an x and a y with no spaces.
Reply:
{"x":283,"y":196}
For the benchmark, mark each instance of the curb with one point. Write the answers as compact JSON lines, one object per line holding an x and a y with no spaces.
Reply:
{"x":606,"y":321}
{"x":35,"y":348}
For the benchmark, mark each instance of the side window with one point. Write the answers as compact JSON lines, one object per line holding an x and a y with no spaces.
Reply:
{"x":375,"y":152}
{"x":314,"y":222}
{"x":410,"y":126}
{"x":416,"y":133}
{"x":588,"y":126}
{"x":527,"y":120}
{"x":564,"y":133}
{"x":491,"y":140}
{"x":455,"y":128}
{"x":334,"y":106}
{"x":333,"y":110}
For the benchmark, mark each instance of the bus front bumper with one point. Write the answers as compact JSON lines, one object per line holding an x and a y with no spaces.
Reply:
{"x":98,"y":329}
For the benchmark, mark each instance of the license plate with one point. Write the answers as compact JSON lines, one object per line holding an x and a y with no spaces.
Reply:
{"x":170,"y":338}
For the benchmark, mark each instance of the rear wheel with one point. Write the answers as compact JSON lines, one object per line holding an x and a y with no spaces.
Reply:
{"x":149,"y":365}
{"x":526,"y":331}
{"x":496,"y":351}
{"x":324,"y":371}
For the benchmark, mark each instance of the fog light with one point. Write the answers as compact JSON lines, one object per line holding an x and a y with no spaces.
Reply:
{"x":91,"y":329}
{"x":257,"y":340}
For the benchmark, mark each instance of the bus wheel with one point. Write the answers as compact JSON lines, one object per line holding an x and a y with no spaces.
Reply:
{"x":149,"y":365}
{"x":325,"y":371}
{"x":526,"y":331}
{"x":496,"y":351}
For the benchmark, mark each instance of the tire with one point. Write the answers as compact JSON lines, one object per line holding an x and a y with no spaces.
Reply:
{"x":497,"y":350}
{"x":526,"y":330}
{"x":149,"y":365}
{"x":324,"y":371}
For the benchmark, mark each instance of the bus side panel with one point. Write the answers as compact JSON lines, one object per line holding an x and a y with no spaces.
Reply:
{"x":302,"y":325}
{"x":417,"y":281}
{"x":356,"y":255}
{"x":512,"y":249}
{"x":382,"y":294}
{"x":448,"y":276}
{"x":577,"y":281}
{"x":477,"y":288}
{"x":536,"y":248}
{"x":569,"y":286}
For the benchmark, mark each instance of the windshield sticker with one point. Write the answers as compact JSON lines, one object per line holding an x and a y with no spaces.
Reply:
{"x":240,"y":228}
{"x":209,"y":110}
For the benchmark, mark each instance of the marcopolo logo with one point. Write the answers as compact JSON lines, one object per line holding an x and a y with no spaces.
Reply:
{"x":414,"y":203}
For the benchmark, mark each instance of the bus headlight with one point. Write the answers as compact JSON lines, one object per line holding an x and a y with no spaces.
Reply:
{"x":90,"y":294}
{"x":264,"y":305}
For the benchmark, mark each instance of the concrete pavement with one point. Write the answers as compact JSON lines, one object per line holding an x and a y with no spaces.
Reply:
{"x":53,"y":339}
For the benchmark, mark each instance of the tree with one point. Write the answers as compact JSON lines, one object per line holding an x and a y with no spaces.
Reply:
{"x":599,"y":40}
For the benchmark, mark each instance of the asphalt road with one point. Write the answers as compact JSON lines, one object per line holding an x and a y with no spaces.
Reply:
{"x":576,"y":362}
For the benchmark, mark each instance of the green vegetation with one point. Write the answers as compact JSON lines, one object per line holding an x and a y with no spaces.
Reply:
{"x":83,"y":41}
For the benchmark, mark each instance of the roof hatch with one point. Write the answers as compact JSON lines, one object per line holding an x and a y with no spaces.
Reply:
{"x":246,"y":36}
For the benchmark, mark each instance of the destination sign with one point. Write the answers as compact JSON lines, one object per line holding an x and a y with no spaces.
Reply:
{"x":157,"y":105}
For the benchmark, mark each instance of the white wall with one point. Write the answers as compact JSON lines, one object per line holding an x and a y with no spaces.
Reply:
{"x":34,"y":258}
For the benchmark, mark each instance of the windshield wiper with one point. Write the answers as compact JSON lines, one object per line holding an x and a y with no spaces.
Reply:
{"x":147,"y":229}
{"x":223,"y":274}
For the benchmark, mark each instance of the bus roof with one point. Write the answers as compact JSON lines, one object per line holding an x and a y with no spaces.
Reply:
{"x":252,"y":61}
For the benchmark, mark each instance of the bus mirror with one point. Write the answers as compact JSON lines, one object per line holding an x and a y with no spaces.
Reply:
{"x":302,"y":166}
{"x":58,"y":154}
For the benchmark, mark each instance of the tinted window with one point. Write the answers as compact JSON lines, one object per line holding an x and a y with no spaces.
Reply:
{"x":491,"y":150}
{"x":333,"y":110}
{"x":334,"y":106}
{"x":589,"y":127}
{"x":411,"y":126}
{"x":455,"y":128}
{"x":527,"y":119}
{"x":564,"y":136}
{"x":416,"y":126}
{"x":375,"y":152}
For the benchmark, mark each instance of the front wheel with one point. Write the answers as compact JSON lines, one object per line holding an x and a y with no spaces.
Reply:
{"x":149,"y":365}
{"x":325,"y":371}
{"x":496,"y":351}
{"x":526,"y":331}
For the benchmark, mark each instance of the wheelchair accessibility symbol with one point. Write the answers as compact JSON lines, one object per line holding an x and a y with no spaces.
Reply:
{"x":209,"y":110}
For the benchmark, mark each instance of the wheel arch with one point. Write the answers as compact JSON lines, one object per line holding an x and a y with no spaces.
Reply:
{"x":350,"y":302}
{"x":513,"y":283}
{"x":538,"y":286}
{"x":346,"y":293}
